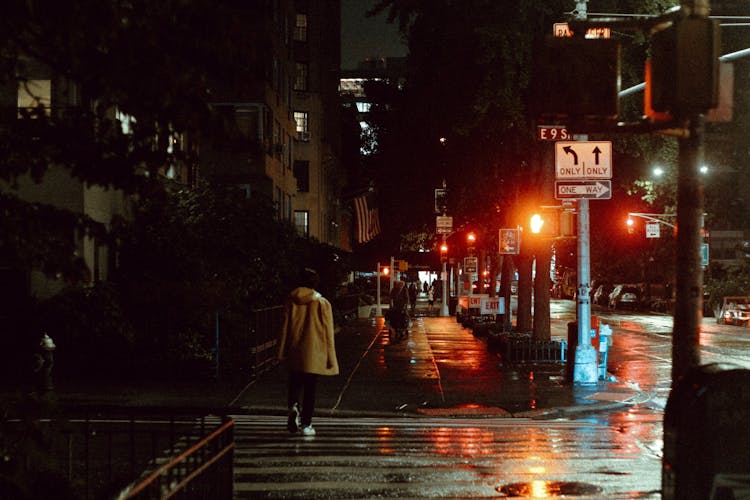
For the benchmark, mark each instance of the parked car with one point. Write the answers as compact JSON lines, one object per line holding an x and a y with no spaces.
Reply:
{"x":625,"y":297}
{"x":601,"y":294}
{"x":735,"y":310}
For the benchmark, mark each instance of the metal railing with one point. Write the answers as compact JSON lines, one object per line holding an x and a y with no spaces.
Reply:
{"x":97,"y":456}
{"x":263,"y":334}
{"x":204,"y":470}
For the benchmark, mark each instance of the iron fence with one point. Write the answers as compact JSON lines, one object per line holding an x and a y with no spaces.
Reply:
{"x":95,"y":456}
{"x":202,"y":471}
{"x":263,"y":334}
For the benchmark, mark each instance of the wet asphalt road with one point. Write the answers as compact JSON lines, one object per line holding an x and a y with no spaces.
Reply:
{"x":437,"y":416}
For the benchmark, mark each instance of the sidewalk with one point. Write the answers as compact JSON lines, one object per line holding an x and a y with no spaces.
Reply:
{"x":429,"y":374}
{"x":439,"y":358}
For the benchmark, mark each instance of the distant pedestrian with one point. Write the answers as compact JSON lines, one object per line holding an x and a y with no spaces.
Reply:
{"x":307,"y":347}
{"x":413,"y":296}
{"x":430,"y":298}
{"x":425,"y":287}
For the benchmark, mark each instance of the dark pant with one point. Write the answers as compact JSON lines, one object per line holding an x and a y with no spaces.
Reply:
{"x":302,"y":383}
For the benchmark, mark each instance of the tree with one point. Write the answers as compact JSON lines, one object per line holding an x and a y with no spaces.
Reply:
{"x":154,"y":63}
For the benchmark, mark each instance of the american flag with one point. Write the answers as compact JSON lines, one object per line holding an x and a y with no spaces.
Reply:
{"x":368,"y":222}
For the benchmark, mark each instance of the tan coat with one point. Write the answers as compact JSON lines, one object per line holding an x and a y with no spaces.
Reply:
{"x":307,"y":343}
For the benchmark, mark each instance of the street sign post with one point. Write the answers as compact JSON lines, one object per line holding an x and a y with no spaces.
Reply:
{"x":444,"y":224}
{"x":583,"y":160}
{"x":652,"y":230}
{"x":471,"y":264}
{"x":562,"y":29}
{"x":510,"y":241}
{"x":589,"y":189}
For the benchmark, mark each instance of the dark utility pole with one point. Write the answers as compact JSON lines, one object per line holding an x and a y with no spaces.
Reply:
{"x":696,"y":74}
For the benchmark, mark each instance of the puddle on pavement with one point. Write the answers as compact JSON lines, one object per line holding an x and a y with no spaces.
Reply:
{"x":546,"y":489}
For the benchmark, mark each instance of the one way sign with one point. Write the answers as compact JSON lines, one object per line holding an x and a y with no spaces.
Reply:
{"x":598,"y":190}
{"x":583,"y":160}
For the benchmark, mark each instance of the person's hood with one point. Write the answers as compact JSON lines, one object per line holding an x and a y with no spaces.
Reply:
{"x":304,"y":295}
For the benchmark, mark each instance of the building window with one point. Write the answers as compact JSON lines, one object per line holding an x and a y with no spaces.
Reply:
{"x":300,"y":77}
{"x":302,"y":222}
{"x":363,"y":107}
{"x":288,"y":207}
{"x":302,"y":174}
{"x":303,"y":130}
{"x":300,"y":29}
{"x":34,"y":93}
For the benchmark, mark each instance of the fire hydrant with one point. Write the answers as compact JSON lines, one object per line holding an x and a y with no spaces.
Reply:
{"x":45,"y":360}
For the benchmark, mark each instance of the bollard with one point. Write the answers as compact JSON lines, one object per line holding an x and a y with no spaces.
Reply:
{"x":605,"y":340}
{"x":45,"y":360}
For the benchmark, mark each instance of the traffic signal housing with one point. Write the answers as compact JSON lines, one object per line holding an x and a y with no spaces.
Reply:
{"x":685,"y":66}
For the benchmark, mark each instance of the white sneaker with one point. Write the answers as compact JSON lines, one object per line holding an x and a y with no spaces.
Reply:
{"x":294,"y":422}
{"x":308,"y":431}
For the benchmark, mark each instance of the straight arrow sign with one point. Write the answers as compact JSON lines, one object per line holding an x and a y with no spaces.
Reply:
{"x":597,"y":190}
{"x":583,"y":160}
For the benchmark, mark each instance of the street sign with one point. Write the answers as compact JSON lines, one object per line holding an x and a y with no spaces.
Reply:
{"x":553,"y":133}
{"x":593,"y":189}
{"x":583,"y":160}
{"x":444,"y":224}
{"x":441,"y":200}
{"x":470,"y":265}
{"x":652,"y":230}
{"x":562,"y":29}
{"x":492,"y":305}
{"x":510,"y":241}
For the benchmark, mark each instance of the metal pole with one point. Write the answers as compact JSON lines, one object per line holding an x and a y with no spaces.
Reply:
{"x":392,"y":275}
{"x":378,"y":308}
{"x":689,"y":276}
{"x":444,"y":280}
{"x":585,"y":369}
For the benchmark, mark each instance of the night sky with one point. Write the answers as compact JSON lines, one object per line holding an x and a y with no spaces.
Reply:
{"x":362,"y":36}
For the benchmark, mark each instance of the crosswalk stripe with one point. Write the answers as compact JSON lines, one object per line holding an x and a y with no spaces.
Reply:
{"x":429,"y":457}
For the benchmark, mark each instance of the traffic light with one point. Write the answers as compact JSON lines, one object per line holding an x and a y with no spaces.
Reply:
{"x":471,"y":238}
{"x":386,"y":270}
{"x":567,"y":223}
{"x":630,"y":223}
{"x":685,"y":66}
{"x":536,"y":223}
{"x":576,"y":77}
{"x":443,"y":252}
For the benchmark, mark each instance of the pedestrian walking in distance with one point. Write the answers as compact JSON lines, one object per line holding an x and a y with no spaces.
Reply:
{"x":430,"y":298}
{"x":413,"y":296}
{"x":307,"y":348}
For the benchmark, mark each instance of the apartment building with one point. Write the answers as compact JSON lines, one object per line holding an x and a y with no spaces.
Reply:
{"x":317,"y":152}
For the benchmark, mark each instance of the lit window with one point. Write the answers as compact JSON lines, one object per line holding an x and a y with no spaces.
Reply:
{"x":302,"y":222}
{"x":33,"y":93}
{"x":303,"y":131}
{"x":300,"y":28}
{"x":363,"y":107}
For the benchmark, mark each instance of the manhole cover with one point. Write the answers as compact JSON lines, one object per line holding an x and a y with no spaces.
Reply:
{"x":545,"y":489}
